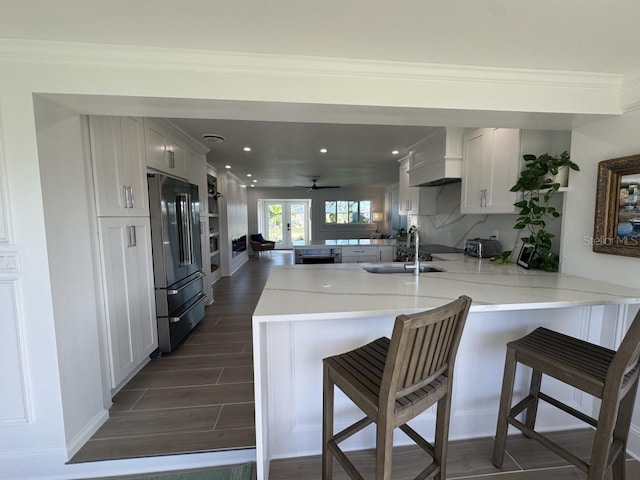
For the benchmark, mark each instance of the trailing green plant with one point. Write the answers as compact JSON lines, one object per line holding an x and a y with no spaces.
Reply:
{"x":537,"y":186}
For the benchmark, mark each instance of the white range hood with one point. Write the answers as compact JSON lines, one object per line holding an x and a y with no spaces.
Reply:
{"x":437,"y":159}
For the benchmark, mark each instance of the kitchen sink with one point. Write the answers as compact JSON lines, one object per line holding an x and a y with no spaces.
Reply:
{"x":373,"y":268}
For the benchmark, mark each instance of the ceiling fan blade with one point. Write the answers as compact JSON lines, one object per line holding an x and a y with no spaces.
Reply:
{"x":330,"y":186}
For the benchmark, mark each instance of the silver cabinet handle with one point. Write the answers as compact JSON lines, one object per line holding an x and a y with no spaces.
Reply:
{"x":131,"y":232}
{"x":175,"y":291}
{"x":125,"y":193}
{"x":130,"y":196}
{"x":172,"y":159}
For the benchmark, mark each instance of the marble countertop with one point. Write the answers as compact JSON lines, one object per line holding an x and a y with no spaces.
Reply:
{"x":358,"y":242}
{"x":339,"y":291}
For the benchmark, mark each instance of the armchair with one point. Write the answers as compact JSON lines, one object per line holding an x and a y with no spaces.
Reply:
{"x":259,"y":244}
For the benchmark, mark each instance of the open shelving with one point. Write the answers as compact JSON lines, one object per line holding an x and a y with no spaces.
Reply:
{"x":214,"y":227}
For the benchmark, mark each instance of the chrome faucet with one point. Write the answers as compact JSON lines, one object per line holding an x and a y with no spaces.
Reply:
{"x":413,"y":231}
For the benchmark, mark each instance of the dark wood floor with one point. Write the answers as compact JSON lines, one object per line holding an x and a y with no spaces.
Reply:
{"x":200,"y":397}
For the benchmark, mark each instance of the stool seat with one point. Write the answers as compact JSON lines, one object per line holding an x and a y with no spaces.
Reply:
{"x":606,"y":374}
{"x":394,"y":380}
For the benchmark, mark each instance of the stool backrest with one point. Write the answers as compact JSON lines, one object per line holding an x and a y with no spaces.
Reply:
{"x":625,"y":363}
{"x":423,"y":347}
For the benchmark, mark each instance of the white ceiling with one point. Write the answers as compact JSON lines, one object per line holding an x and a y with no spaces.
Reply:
{"x":581,"y":35}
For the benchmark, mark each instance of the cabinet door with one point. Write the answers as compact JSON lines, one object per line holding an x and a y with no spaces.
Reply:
{"x":134,"y":165}
{"x":503,"y":172}
{"x":125,"y":248}
{"x":405,"y":194}
{"x":386,"y":254}
{"x":477,"y":152}
{"x":119,"y":172}
{"x":179,"y":163}
{"x":108,"y":166}
{"x":155,"y":140}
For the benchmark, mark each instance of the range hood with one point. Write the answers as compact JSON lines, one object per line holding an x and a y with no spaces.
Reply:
{"x":437,"y":159}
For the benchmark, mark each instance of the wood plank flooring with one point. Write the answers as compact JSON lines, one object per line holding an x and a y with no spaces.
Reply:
{"x":200,"y":397}
{"x":467,"y":459}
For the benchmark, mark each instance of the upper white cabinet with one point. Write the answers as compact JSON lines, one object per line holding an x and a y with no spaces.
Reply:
{"x":165,"y":151}
{"x":491,"y":166}
{"x":120,"y":180}
{"x":414,"y":200}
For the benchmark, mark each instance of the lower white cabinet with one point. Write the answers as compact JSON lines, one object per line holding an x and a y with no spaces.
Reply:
{"x":128,"y":292}
{"x":367,"y":254}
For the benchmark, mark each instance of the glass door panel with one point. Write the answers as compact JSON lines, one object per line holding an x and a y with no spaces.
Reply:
{"x":287,"y":222}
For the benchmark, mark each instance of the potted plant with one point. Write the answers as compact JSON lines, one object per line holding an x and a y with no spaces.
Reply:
{"x":537,"y":186}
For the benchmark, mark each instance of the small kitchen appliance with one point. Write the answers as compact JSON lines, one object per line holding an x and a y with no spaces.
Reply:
{"x":482,"y":247}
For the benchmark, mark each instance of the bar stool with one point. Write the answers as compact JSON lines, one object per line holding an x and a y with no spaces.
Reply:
{"x":392,"y":381}
{"x":606,"y":374}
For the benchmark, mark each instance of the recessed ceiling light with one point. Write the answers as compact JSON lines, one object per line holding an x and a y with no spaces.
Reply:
{"x":249,"y":175}
{"x":227,"y":166}
{"x":255,"y":181}
{"x":395,"y":152}
{"x":213,"y":138}
{"x":252,"y":185}
{"x":323,"y":150}
{"x":247,"y":149}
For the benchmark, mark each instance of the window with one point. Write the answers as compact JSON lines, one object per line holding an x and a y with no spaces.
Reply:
{"x":347,"y":211}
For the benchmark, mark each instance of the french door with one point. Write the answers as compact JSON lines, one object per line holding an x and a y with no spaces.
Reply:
{"x":286,"y":222}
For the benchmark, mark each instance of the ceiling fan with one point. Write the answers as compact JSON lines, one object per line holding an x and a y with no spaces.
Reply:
{"x":316,"y":187}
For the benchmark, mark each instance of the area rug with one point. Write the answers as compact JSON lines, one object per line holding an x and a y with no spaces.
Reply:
{"x":233,"y":472}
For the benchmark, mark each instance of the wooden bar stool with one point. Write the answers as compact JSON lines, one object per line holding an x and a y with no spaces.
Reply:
{"x":606,"y":374}
{"x":392,"y":381}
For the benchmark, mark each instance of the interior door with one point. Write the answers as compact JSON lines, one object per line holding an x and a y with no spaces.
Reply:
{"x":286,"y":222}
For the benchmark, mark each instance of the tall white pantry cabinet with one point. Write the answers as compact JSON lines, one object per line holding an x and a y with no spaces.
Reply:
{"x":124,"y":240}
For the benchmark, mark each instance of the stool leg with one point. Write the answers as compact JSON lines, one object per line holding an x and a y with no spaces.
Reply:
{"x":441,"y":440}
{"x":534,"y":391}
{"x":327,"y":424}
{"x":384,"y":448}
{"x":505,"y":406}
{"x":621,"y":431}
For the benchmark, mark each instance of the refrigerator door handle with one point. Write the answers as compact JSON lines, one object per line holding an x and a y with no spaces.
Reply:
{"x":185,"y":227}
{"x":175,"y":291}
{"x":177,"y":319}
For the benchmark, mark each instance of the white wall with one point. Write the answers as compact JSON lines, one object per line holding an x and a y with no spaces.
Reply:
{"x":233,"y":220}
{"x":320,"y":230}
{"x":617,"y":137}
{"x":70,"y":223}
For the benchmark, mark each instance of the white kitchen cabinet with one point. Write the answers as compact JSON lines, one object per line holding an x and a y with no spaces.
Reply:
{"x":385,"y":254}
{"x":128,"y":292}
{"x":360,"y":254}
{"x":414,"y":200}
{"x":165,"y":152}
{"x":491,"y":166}
{"x":120,"y":180}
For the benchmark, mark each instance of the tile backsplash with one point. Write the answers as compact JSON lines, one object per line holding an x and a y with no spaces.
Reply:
{"x":449,"y":227}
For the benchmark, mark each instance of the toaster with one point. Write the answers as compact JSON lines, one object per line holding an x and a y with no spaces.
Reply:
{"x":482,"y":247}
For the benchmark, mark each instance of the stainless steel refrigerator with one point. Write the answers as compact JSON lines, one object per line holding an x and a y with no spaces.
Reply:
{"x":177,"y":259}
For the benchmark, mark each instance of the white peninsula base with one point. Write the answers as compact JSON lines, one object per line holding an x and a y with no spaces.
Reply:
{"x":289,"y":346}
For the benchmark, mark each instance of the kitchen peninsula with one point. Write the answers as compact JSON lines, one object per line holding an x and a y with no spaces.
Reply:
{"x":308,"y":312}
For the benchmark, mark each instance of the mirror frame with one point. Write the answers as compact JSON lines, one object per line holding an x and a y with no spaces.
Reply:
{"x":605,"y":231}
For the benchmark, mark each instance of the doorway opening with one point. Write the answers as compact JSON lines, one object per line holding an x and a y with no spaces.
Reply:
{"x":286,"y":222}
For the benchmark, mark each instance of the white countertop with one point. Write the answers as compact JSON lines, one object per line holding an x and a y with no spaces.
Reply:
{"x":338,"y":291}
{"x":359,"y":242}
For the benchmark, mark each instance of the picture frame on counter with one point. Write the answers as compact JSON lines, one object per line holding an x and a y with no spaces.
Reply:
{"x":527,"y":252}
{"x":617,"y":217}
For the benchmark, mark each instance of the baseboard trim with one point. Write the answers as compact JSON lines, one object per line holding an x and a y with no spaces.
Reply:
{"x":83,"y":436}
